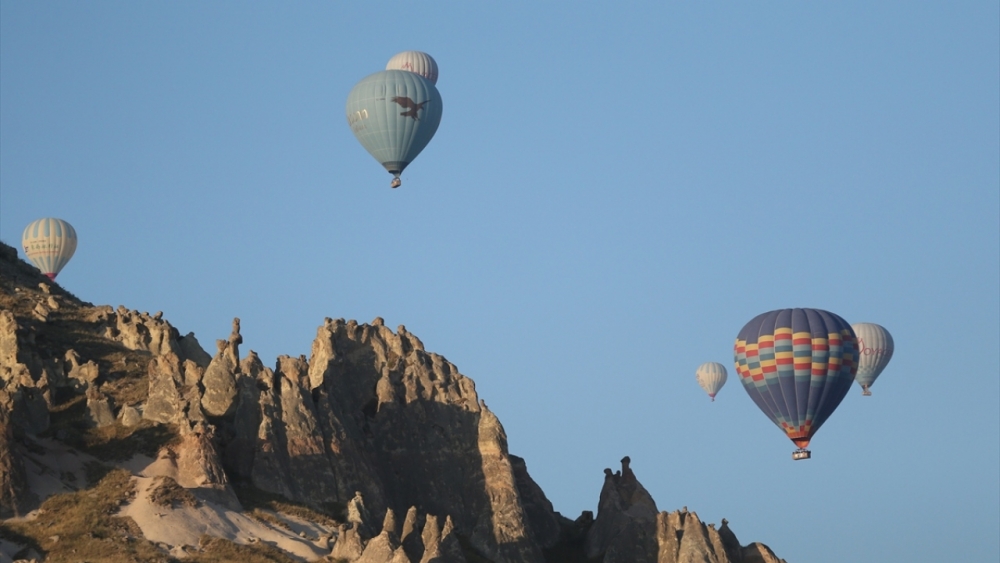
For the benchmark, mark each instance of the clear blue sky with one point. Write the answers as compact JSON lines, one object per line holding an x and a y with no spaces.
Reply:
{"x":612,"y":194}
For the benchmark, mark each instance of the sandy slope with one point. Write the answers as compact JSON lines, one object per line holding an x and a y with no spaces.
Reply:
{"x":185,"y":525}
{"x":61,"y":469}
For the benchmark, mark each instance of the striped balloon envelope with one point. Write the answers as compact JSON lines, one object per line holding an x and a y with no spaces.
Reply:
{"x":49,"y":243}
{"x":875,"y":348}
{"x":394,"y":114}
{"x":797,"y":365}
{"x":711,"y":377}
{"x":415,"y":61}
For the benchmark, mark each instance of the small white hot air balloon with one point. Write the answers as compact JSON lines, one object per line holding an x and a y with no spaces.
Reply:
{"x":875,"y":347}
{"x":49,"y":243}
{"x":711,"y":376}
{"x":417,"y":62}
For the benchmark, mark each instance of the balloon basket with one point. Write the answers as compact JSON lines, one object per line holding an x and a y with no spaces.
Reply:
{"x":865,"y":392}
{"x":801,"y":454}
{"x":396,"y":182}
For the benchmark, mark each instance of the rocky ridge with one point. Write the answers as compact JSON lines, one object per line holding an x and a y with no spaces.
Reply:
{"x":369,"y":426}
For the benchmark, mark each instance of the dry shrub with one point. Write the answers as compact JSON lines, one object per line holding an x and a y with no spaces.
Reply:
{"x":166,"y":492}
{"x":329,"y":515}
{"x":266,"y":517}
{"x":219,"y":550}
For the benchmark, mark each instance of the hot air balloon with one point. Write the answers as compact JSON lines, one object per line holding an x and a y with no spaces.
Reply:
{"x":49,"y":243}
{"x":797,"y":365}
{"x":711,"y":376}
{"x":415,"y":61}
{"x":394,"y":114}
{"x":875,"y":350}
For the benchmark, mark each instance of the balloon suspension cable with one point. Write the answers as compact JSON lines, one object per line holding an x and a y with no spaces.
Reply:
{"x":801,"y":454}
{"x":865,"y":391}
{"x":396,"y":182}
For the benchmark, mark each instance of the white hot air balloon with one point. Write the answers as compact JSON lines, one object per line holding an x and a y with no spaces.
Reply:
{"x":417,"y":62}
{"x":875,"y":347}
{"x":49,"y":243}
{"x":711,"y":376}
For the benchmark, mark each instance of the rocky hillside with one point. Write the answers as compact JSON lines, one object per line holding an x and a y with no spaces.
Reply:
{"x":122,"y":440}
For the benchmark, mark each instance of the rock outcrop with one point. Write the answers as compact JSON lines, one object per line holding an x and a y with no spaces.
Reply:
{"x":219,"y":381}
{"x":372,"y":412}
{"x":625,"y":527}
{"x":545,"y":523}
{"x":432,"y":543}
{"x":14,"y":494}
{"x":173,"y":391}
{"x":369,"y":426}
{"x":629,"y":528}
{"x":24,"y":375}
{"x":83,"y":375}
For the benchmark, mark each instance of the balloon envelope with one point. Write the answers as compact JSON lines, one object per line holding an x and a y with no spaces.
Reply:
{"x":875,"y":348}
{"x":797,"y":365}
{"x":49,"y":243}
{"x":394,"y":114}
{"x":711,"y":376}
{"x":415,"y":61}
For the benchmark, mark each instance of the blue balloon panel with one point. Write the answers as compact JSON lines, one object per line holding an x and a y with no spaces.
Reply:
{"x":394,"y":114}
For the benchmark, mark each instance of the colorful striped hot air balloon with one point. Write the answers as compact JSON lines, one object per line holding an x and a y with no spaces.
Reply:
{"x":415,"y":61}
{"x":394,"y":114}
{"x":49,"y":243}
{"x":711,"y":376}
{"x":875,"y":348}
{"x":797,"y":365}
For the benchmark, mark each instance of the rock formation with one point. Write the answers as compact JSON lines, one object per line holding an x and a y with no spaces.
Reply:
{"x":433,"y":543}
{"x":625,"y":527}
{"x":629,"y":528}
{"x":369,"y":426}
{"x":14,"y":494}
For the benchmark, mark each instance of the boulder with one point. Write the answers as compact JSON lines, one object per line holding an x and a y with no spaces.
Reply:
{"x":129,"y":416}
{"x":81,"y":375}
{"x":99,"y":408}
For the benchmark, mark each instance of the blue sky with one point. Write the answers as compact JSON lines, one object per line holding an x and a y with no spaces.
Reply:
{"x":612,"y":194}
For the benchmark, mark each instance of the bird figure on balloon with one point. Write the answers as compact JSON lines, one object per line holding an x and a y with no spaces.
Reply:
{"x":392,"y":137}
{"x":410,"y":106}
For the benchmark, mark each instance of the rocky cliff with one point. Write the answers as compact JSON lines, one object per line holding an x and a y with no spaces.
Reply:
{"x":368,"y":427}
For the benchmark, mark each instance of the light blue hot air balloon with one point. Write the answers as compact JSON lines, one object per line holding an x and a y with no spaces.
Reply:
{"x":394,"y":114}
{"x":49,"y":243}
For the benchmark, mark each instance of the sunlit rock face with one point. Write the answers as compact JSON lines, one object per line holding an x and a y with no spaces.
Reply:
{"x":370,"y":424}
{"x":372,"y":412}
